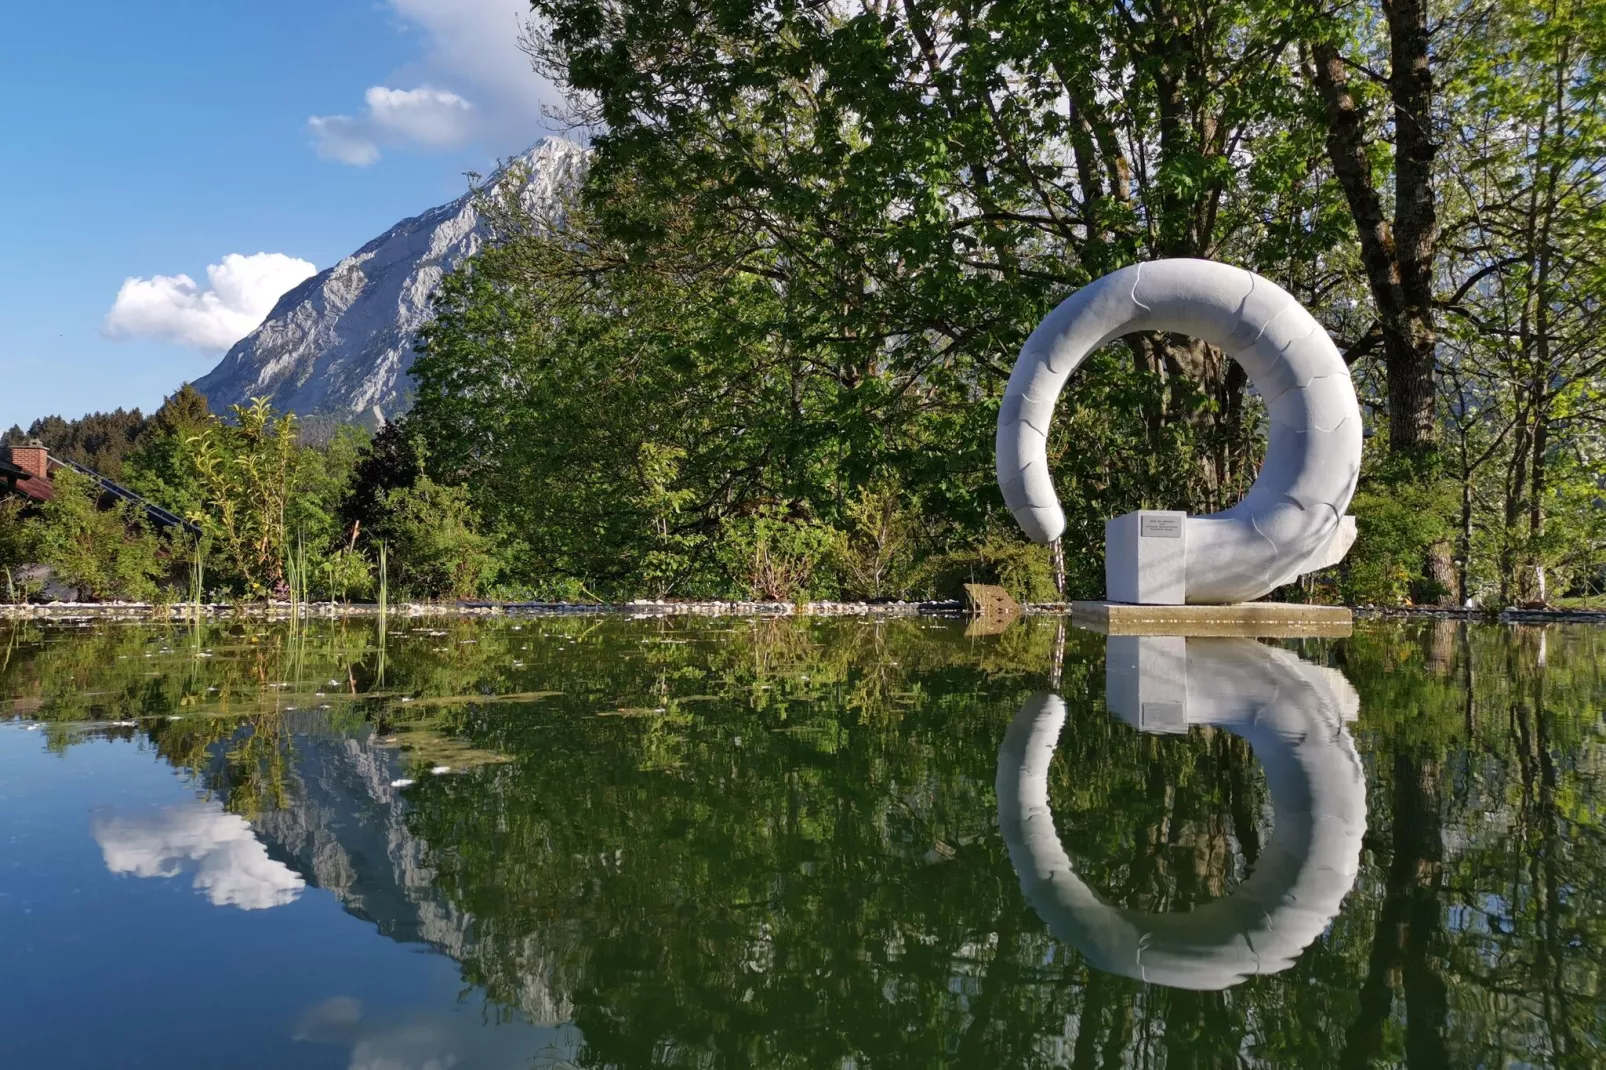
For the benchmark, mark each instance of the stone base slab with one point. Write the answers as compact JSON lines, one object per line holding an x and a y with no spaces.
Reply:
{"x":1270,"y":620}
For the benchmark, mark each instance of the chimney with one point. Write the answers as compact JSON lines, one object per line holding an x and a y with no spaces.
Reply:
{"x":32,"y":458}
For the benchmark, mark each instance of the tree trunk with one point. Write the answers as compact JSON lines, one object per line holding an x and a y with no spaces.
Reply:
{"x":1462,"y":587}
{"x":1416,"y":227}
{"x":1398,"y":258}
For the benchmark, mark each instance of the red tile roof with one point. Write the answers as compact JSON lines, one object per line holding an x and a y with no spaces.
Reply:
{"x":40,"y":490}
{"x":28,"y":485}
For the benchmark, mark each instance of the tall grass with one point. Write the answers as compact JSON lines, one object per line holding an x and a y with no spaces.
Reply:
{"x":384,"y":606}
{"x":384,"y":582}
{"x":197,"y":577}
{"x":295,"y":571}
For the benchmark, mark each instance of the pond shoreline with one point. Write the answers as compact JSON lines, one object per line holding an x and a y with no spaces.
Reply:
{"x":145,"y":611}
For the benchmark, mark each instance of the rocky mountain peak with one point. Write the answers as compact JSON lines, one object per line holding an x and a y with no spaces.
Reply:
{"x":340,"y":344}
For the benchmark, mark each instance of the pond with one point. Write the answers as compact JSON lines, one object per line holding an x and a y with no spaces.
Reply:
{"x":607,"y":842}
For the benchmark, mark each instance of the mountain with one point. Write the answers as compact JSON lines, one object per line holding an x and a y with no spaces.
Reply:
{"x":341,"y":825}
{"x":340,"y":344}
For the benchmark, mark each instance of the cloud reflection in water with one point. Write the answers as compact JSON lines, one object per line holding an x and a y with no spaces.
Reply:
{"x":231,"y":866}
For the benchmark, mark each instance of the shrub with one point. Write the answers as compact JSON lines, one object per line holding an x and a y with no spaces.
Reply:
{"x":435,"y":543}
{"x":104,"y":553}
{"x":778,"y":558}
{"x":17,"y":547}
{"x":1024,"y":569}
{"x":1397,"y":522}
{"x":877,"y":555}
{"x":345,"y":573}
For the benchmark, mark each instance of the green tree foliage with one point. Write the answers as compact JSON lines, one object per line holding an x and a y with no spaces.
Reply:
{"x":813,"y":240}
{"x":393,"y":459}
{"x":160,"y":467}
{"x":18,"y":546}
{"x":97,"y":440}
{"x":245,"y":472}
{"x":823,"y":233}
{"x":105,"y":550}
{"x":435,"y":544}
{"x":952,"y":172}
{"x":1524,"y":362}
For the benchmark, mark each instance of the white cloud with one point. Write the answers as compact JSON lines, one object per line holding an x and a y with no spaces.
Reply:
{"x":231,"y":865}
{"x":342,"y":138}
{"x":435,"y":117}
{"x":425,"y":117}
{"x":472,"y":84}
{"x":240,"y":293}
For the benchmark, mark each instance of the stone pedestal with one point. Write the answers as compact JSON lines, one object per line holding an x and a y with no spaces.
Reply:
{"x":1266,"y":619}
{"x":1146,"y":557}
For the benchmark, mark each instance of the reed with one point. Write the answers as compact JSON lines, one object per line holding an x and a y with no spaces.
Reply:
{"x":295,"y":568}
{"x":197,"y":577}
{"x":384,"y":582}
{"x":384,"y":606}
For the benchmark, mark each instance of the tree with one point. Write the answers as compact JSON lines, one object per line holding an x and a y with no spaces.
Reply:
{"x":1523,"y":351}
{"x":160,"y":467}
{"x":935,"y":176}
{"x":393,"y":459}
{"x":1398,"y":255}
{"x":97,"y":440}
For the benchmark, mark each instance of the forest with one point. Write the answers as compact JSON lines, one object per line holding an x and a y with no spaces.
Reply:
{"x":758,"y":353}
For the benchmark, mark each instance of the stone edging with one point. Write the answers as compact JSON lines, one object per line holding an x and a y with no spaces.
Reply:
{"x":645,"y":608}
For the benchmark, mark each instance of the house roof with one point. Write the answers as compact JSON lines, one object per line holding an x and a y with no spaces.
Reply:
{"x":15,"y":480}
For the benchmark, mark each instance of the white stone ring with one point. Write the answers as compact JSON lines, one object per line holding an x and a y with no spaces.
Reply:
{"x":1291,"y":521}
{"x":1292,"y":714}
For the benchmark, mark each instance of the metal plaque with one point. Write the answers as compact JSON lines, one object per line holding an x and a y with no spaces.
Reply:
{"x":1160,"y":527}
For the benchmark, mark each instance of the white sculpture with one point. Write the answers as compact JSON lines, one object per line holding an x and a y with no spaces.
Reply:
{"x":1291,"y":521}
{"x":1293,"y":715}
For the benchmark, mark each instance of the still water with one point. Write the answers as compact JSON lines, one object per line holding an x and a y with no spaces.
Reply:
{"x":735,"y":843}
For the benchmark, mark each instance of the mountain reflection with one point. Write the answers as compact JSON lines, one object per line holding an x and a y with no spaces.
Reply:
{"x":1293,"y":715}
{"x":781,"y":843}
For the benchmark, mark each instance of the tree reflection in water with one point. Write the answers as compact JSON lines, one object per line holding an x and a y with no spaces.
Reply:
{"x":733,"y":843}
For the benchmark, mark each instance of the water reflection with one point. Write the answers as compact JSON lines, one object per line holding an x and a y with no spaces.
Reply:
{"x":231,"y":866}
{"x":1293,"y":714}
{"x":423,"y":1039}
{"x":775,"y":845}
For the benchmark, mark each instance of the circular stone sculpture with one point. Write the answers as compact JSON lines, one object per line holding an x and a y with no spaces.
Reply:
{"x":1292,"y":714}
{"x":1289,"y":522}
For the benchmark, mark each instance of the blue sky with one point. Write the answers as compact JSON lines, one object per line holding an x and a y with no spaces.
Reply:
{"x":158,"y":139}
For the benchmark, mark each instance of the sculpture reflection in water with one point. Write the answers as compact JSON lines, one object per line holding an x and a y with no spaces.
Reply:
{"x":1293,"y":714}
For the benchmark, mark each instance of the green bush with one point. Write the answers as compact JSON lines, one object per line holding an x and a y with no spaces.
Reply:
{"x":877,"y":557}
{"x":1397,"y":522}
{"x":1024,"y":569}
{"x":436,"y":546}
{"x":18,"y":546}
{"x":344,"y":574}
{"x":104,"y":553}
{"x":780,"y":558}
